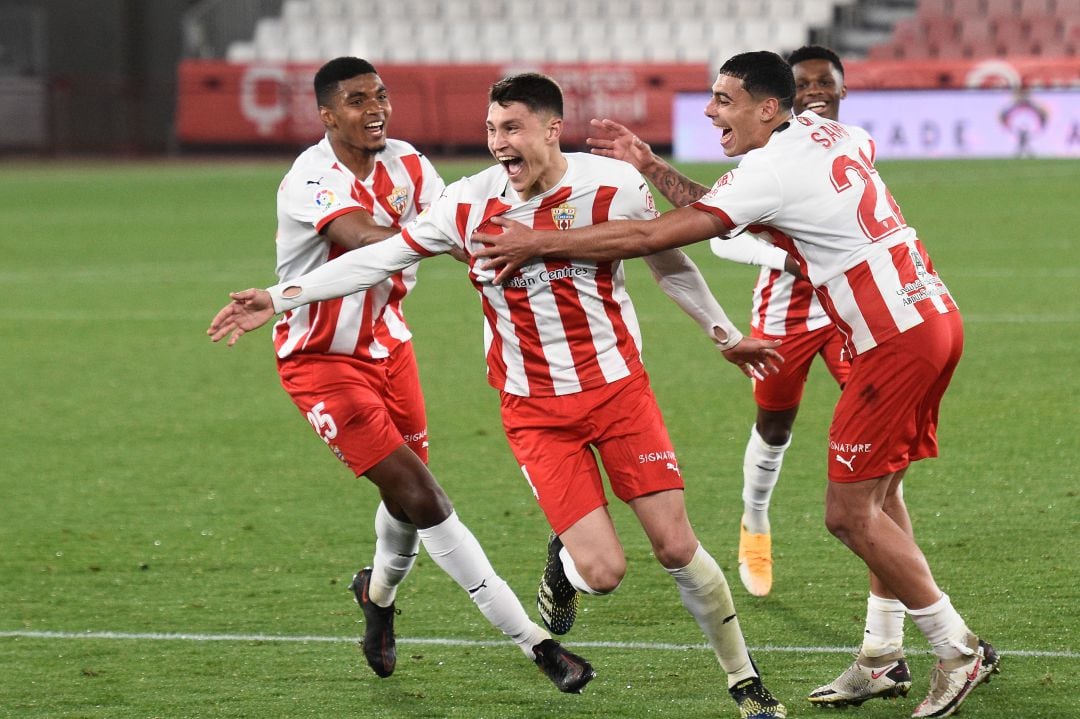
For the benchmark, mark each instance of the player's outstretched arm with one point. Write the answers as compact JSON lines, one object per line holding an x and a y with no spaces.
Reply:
{"x":249,"y":310}
{"x":611,"y":139}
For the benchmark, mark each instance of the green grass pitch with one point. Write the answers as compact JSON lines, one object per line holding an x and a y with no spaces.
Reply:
{"x":161,"y":497}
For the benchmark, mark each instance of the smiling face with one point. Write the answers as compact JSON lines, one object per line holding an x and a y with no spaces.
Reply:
{"x":356,"y":120}
{"x":746,"y":123}
{"x":819,"y":87}
{"x":526,"y":144}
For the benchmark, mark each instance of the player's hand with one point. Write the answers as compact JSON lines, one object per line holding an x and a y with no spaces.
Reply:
{"x":249,"y":310}
{"x":756,"y":358}
{"x":508,"y":251}
{"x":791,"y":266}
{"x":608,"y":138}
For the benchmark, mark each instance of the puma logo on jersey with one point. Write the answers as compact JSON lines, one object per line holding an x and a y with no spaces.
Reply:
{"x":314,"y":182}
{"x":847,"y":462}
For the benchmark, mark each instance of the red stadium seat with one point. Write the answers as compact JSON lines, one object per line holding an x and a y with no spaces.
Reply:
{"x":940,"y":30}
{"x":1036,"y":8}
{"x":963,"y":8}
{"x":1000,"y":8}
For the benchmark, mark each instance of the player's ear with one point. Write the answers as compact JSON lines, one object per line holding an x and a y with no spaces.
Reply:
{"x":769,"y":108}
{"x":327,"y":117}
{"x":555,"y":128}
{"x":843,"y":91}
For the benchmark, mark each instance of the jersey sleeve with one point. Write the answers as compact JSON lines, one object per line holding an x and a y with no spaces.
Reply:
{"x":749,"y":249}
{"x":351,"y":272}
{"x":318,"y":199}
{"x":433,"y":183}
{"x":633,"y":199}
{"x":437,"y":229}
{"x":746,"y":195}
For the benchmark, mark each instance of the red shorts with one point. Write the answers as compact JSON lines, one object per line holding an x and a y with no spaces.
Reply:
{"x":553,"y":440}
{"x":362,"y":409}
{"x":887,"y":414}
{"x":784,"y":390}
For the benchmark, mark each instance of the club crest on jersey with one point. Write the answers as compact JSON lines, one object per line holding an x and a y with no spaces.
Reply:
{"x":325,"y":198}
{"x":397,"y":199}
{"x":563,"y":216}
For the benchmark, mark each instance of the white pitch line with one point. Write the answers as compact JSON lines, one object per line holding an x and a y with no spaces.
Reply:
{"x":648,"y":646}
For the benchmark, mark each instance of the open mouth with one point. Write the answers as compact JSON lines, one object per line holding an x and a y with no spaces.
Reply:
{"x":816,"y":106}
{"x":514,"y":165}
{"x":376,"y":128}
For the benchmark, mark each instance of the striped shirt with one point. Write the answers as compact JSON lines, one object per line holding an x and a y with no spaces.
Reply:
{"x":317,"y":189}
{"x":814,"y":189}
{"x":556,"y":327}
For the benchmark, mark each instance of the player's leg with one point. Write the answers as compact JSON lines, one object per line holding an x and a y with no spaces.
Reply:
{"x":458,"y":553}
{"x":643,"y":470}
{"x":777,"y":397}
{"x":907,"y":377}
{"x":550,"y":438}
{"x":396,"y":541}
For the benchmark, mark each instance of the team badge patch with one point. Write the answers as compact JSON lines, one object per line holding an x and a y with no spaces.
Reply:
{"x":397,"y":199}
{"x":325,"y":198}
{"x":563,"y":216}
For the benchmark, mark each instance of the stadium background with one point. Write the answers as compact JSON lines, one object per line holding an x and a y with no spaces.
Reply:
{"x":170,"y":76}
{"x":175,"y":543}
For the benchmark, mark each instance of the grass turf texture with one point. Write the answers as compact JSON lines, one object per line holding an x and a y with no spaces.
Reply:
{"x":155,"y":483}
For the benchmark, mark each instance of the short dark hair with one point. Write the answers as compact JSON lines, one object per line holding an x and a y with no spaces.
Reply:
{"x":763,"y":74}
{"x":334,"y":72}
{"x":816,"y":52}
{"x":537,"y":92}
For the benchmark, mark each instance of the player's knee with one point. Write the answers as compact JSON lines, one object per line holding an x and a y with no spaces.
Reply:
{"x":604,"y":577}
{"x":843,"y":523}
{"x":676,"y":554}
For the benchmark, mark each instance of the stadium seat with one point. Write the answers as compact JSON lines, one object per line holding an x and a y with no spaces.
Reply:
{"x":939,"y":31}
{"x":1000,"y":8}
{"x":818,"y":13}
{"x":269,"y":39}
{"x":1045,"y":28}
{"x":1036,"y":8}
{"x":956,"y":8}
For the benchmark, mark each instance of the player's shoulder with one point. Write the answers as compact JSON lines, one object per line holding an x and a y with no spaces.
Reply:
{"x":602,"y":170}
{"x":479,"y":186}
{"x":398,"y":148}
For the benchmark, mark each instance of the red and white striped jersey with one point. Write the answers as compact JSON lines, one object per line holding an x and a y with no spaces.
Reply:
{"x":556,"y":327}
{"x":813,"y":187}
{"x":783,"y":304}
{"x":319,"y":188}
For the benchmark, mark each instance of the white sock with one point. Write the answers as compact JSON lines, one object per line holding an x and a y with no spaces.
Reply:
{"x":884,"y":631}
{"x":761,"y":470}
{"x":456,"y":551}
{"x":706,"y":595}
{"x":572,"y":574}
{"x":943,"y":627}
{"x":396,"y":545}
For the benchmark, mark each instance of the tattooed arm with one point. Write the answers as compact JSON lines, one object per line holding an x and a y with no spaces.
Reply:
{"x":610,"y":139}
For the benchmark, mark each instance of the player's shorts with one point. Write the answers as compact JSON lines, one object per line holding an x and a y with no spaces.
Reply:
{"x":552,"y":439}
{"x":887,"y":414}
{"x":784,"y":390}
{"x":362,"y":409}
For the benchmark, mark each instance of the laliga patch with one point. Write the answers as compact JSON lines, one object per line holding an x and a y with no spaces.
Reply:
{"x":325,"y":198}
{"x":396,"y":199}
{"x":726,"y":179}
{"x":563,"y":216}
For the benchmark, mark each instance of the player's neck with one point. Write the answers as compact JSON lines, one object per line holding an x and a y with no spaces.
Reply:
{"x":551,"y":177}
{"x":360,"y":161}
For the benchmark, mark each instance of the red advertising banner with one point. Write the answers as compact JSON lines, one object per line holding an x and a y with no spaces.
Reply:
{"x":444,"y":106}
